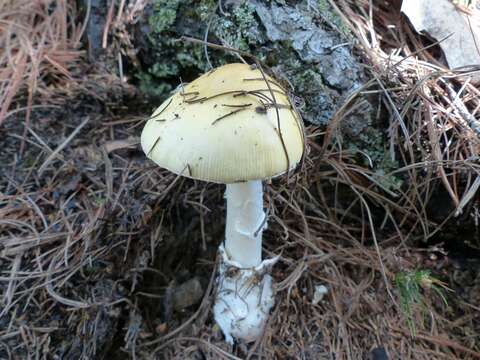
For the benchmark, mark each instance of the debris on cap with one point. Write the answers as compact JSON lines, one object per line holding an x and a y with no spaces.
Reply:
{"x":227,"y":126}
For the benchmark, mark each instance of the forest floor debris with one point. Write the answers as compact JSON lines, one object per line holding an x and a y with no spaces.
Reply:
{"x":94,"y":247}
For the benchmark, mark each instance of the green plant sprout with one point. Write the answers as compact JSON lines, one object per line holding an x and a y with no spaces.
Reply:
{"x":411,"y":287}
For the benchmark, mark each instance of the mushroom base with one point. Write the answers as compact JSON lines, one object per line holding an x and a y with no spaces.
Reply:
{"x":244,"y":298}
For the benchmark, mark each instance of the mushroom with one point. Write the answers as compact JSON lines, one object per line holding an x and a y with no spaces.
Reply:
{"x":230,"y":126}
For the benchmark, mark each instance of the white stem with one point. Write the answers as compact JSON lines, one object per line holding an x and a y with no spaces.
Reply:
{"x":245,"y":223}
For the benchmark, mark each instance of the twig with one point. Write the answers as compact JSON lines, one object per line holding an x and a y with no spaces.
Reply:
{"x":49,"y":159}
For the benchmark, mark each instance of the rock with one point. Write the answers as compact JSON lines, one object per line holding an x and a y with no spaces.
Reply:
{"x":313,"y":44}
{"x":187,"y":294}
{"x":303,"y":43}
{"x":378,"y":353}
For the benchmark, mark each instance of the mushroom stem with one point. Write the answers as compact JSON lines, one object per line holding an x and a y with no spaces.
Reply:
{"x":245,"y":223}
{"x":245,"y":292}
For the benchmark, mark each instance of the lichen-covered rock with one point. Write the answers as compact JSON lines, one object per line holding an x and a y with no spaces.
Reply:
{"x":303,"y":42}
{"x":317,"y":60}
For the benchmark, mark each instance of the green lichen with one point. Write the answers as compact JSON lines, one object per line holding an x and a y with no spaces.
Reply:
{"x":370,"y":145}
{"x":164,"y":15}
{"x":238,"y":30}
{"x":165,"y":74}
{"x":332,"y":18}
{"x":317,"y":104}
{"x":171,"y":60}
{"x":151,"y":87}
{"x":206,"y":9}
{"x":308,"y":82}
{"x":382,"y":175}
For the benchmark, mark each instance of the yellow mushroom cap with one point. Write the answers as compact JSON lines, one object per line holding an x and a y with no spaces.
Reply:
{"x":223,"y":128}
